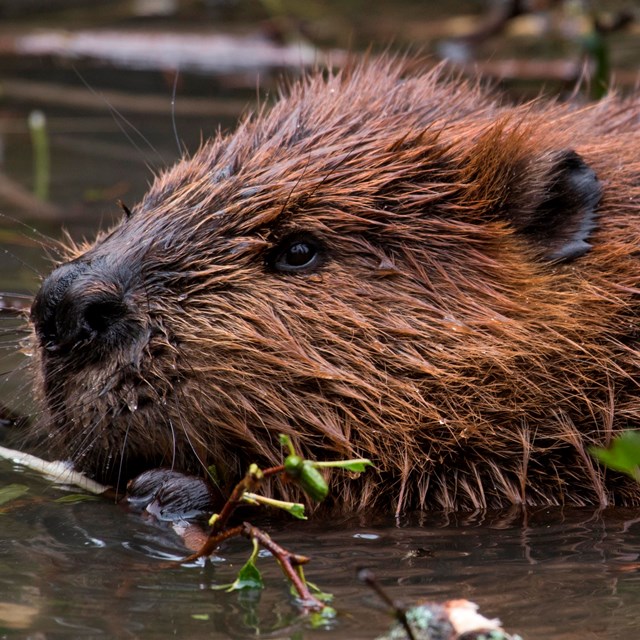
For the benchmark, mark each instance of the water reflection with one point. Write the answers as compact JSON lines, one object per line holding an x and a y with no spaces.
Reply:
{"x":91,"y":569}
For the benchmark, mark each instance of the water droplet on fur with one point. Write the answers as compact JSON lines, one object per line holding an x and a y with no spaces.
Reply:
{"x":26,"y":348}
{"x":130,"y":398}
{"x":453,"y":324}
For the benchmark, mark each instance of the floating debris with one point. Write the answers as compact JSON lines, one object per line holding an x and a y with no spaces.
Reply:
{"x":451,"y":620}
{"x":58,"y":470}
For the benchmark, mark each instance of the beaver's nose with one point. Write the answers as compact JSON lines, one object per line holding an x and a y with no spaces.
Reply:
{"x":77,"y":305}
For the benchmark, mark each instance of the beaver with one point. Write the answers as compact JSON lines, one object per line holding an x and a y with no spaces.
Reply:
{"x":387,"y":263}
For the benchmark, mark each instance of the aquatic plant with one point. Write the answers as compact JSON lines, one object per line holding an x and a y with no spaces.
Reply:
{"x":306,"y":474}
{"x":623,"y":454}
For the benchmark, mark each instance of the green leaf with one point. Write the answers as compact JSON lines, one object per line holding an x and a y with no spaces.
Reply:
{"x":73,"y":498}
{"x":358,"y":465}
{"x":249,"y":577}
{"x":200,"y":616}
{"x":321,"y":595}
{"x":323,"y":619}
{"x":296,"y":509}
{"x":11,"y":492}
{"x":285,"y":441}
{"x":622,"y":455}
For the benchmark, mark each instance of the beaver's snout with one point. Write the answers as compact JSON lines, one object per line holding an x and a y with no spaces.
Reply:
{"x":82,"y":305}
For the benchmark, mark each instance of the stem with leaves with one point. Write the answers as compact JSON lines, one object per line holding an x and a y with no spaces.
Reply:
{"x":296,"y":469}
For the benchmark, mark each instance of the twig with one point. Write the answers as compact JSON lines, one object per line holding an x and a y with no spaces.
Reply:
{"x":58,"y":471}
{"x":398,"y":608}
{"x":218,"y":534}
{"x":287,"y":561}
{"x":213,"y":542}
{"x":249,"y":483}
{"x":298,"y":470}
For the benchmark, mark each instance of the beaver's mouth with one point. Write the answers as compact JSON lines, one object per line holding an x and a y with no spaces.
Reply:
{"x":113,"y":446}
{"x":113,"y":421}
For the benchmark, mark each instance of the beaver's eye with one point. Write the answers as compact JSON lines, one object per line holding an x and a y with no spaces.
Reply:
{"x":297,"y":254}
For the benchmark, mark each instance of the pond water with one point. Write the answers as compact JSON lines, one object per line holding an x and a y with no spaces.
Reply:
{"x":91,"y":570}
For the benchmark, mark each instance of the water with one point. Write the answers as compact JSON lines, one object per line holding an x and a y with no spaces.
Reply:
{"x":91,"y":570}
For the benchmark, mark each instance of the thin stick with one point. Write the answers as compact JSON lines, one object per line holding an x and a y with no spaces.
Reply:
{"x":213,"y":542}
{"x":287,"y":561}
{"x":57,"y":471}
{"x":399,"y":610}
{"x":249,"y":483}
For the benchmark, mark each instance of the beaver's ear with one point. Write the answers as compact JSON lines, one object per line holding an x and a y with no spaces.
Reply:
{"x":555,"y":205}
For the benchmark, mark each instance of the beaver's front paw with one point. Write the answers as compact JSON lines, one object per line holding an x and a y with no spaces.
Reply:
{"x":171,"y":495}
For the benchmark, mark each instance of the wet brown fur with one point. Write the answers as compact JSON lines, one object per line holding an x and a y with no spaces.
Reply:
{"x":435,"y":338}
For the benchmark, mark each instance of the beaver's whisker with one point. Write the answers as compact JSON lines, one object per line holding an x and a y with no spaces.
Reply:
{"x":174,"y":90}
{"x":187,"y":432}
{"x":174,"y":443}
{"x":8,"y":344}
{"x":121,"y":120}
{"x":48,"y":243}
{"x":20,"y":261}
{"x":17,"y":332}
{"x":82,"y":446}
{"x":123,"y":450}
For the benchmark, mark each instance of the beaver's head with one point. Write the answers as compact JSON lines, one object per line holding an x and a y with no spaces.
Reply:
{"x":379,"y":265}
